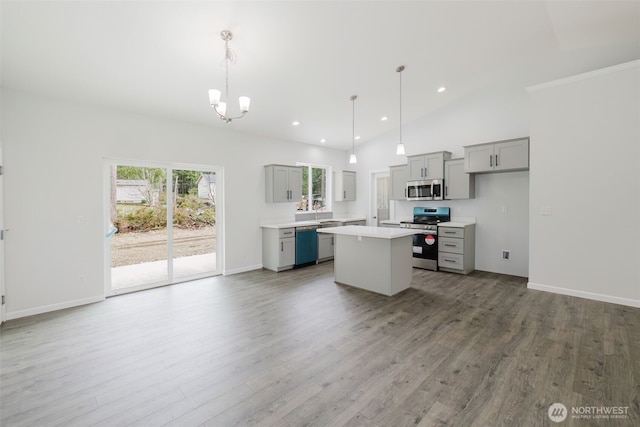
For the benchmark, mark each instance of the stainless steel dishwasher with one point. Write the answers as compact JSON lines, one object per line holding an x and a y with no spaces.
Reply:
{"x":306,"y":245}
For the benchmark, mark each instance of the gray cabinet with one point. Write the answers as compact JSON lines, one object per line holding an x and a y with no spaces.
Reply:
{"x":427,"y":166}
{"x":399,"y":175}
{"x":325,"y":246}
{"x":458,"y":184}
{"x":499,"y":156}
{"x":456,"y":248}
{"x":283,"y":183}
{"x":278,"y":248}
{"x":344,"y":184}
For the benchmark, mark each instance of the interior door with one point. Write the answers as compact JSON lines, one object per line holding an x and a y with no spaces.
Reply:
{"x":380,"y":197}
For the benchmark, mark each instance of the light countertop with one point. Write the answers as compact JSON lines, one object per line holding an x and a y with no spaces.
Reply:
{"x":307,"y":223}
{"x":458,"y":222}
{"x":366,"y":231}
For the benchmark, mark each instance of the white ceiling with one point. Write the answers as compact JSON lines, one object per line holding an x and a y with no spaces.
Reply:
{"x":302,"y":60}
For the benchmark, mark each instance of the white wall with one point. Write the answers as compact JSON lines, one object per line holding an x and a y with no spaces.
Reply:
{"x":488,"y":116}
{"x":585,"y":157}
{"x":54,"y":155}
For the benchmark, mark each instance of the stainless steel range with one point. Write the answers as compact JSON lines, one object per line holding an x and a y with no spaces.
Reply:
{"x":425,"y":241}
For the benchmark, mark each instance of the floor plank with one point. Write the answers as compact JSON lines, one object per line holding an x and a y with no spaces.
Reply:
{"x":296,"y":349}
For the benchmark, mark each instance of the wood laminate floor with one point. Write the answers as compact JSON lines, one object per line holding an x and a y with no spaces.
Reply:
{"x":295,"y":349}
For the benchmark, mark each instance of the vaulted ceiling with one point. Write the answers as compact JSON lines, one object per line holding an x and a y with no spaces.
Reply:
{"x":302,"y":60}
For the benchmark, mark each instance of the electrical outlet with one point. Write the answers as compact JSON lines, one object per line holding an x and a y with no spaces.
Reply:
{"x":545,"y":210}
{"x":506,"y":254}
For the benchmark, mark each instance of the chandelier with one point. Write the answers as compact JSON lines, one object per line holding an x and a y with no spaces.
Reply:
{"x":214,"y":94}
{"x":400,"y":146}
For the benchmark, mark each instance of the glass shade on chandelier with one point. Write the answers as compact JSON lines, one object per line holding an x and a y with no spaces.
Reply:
{"x":353,"y":159}
{"x":221,"y":107}
{"x":400,"y":149}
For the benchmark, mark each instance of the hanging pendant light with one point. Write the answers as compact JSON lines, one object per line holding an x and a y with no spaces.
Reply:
{"x":219,"y":106}
{"x":352,"y":157}
{"x":400,"y":146}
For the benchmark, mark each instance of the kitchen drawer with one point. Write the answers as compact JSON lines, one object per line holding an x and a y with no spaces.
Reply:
{"x":451,"y":232}
{"x":454,"y":261}
{"x":448,"y":244}
{"x":287,"y":232}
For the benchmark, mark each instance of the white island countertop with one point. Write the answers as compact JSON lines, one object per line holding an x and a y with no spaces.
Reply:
{"x":366,"y":231}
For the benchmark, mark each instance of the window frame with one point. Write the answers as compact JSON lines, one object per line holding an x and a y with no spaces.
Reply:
{"x":329,"y":186}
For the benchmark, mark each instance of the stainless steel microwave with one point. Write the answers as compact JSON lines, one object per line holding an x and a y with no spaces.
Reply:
{"x":425,"y":190}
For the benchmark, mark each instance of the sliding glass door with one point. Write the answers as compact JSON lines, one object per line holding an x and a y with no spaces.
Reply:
{"x":162,"y":223}
{"x":194,"y":223}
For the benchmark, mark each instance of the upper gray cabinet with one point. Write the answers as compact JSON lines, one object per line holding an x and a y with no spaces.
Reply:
{"x":399,"y":175}
{"x":344,"y":184}
{"x":499,"y":156}
{"x":427,"y":166}
{"x":457,"y":183}
{"x":283,"y":183}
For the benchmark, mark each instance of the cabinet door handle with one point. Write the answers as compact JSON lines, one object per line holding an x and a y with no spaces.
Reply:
{"x":426,"y":172}
{"x":345,"y":194}
{"x":449,"y":260}
{"x":446,"y":190}
{"x":281,"y":246}
{"x":450,"y":245}
{"x":496,"y":160}
{"x":490,"y":161}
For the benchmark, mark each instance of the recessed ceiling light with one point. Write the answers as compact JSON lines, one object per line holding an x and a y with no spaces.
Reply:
{"x":441,"y":89}
{"x":296,"y":123}
{"x":383,"y":118}
{"x":323,"y":140}
{"x":358,"y":137}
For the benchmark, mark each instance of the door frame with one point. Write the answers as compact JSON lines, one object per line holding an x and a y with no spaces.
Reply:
{"x":373,"y":205}
{"x":169,"y":166}
{"x":3,"y":306}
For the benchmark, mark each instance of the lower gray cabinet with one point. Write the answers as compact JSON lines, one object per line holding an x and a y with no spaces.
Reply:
{"x":278,"y":248}
{"x":325,"y":247}
{"x":456,"y":249}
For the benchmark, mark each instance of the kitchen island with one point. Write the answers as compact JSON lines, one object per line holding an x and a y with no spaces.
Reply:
{"x":377,"y":259}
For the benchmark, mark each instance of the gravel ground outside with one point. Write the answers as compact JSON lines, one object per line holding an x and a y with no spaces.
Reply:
{"x":136,"y":248}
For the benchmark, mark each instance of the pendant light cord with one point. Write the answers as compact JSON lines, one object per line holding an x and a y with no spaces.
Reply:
{"x":353,"y":123}
{"x":401,"y":107}
{"x":400,"y":70}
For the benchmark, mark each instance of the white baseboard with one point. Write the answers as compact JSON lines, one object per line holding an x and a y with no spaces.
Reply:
{"x":584,"y":294}
{"x":53,"y":307}
{"x":242,"y":270}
